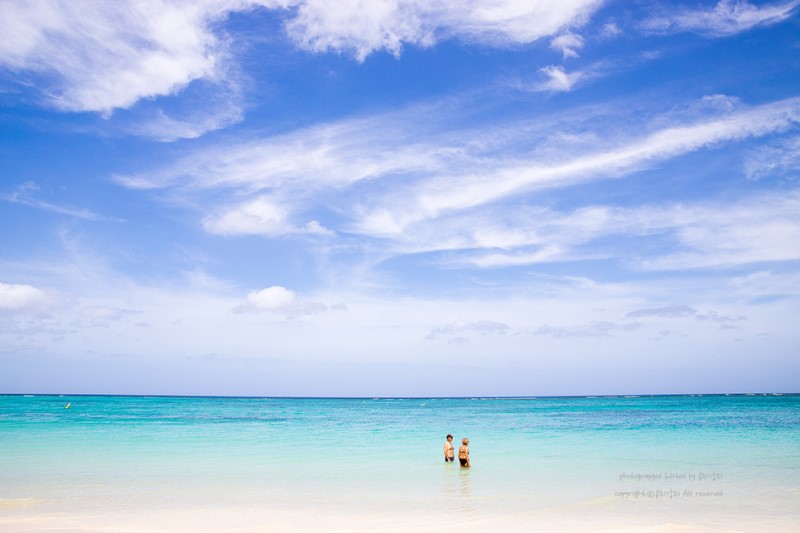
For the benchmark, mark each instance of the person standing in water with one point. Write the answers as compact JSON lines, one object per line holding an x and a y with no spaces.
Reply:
{"x":463,"y":453}
{"x":449,"y":450}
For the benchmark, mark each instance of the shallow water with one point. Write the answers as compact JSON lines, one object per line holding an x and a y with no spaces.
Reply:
{"x":713,"y":460}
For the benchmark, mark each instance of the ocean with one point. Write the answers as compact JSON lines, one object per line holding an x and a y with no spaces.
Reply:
{"x":638,"y":463}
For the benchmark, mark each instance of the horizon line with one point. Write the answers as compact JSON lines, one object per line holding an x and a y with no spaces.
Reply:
{"x":471,"y":397}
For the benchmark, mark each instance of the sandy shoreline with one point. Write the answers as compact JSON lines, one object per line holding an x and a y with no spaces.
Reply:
{"x":21,"y":515}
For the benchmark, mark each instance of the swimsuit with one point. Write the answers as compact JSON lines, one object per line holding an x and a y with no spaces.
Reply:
{"x":462,"y":461}
{"x":449,"y":459}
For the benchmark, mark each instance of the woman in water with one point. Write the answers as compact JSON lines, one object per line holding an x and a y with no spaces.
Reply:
{"x":463,"y":453}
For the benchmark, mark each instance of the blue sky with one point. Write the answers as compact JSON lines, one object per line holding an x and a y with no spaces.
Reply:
{"x":399,"y":197}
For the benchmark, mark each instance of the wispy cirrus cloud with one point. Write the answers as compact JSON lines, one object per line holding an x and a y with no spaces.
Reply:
{"x":610,"y":30}
{"x":691,"y":236}
{"x":778,"y":159}
{"x":443,"y":193}
{"x":153,"y":122}
{"x":334,"y":154}
{"x":427,"y":193}
{"x":727,"y":17}
{"x":25,"y":194}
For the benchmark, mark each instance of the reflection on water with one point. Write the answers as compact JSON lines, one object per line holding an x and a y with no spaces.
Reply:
{"x":465,"y":482}
{"x":457,"y":487}
{"x":449,"y":480}
{"x":465,"y":501}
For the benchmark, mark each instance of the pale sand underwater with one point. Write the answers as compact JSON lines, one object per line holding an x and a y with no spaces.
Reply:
{"x":248,"y":519}
{"x":664,"y":464}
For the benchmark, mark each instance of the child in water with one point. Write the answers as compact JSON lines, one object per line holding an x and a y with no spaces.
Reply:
{"x":463,"y":452}
{"x":449,"y":451}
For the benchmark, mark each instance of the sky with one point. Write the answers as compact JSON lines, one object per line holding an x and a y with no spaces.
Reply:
{"x":399,"y":197}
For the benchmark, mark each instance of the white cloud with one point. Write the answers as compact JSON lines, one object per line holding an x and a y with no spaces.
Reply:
{"x":568,"y":43}
{"x":728,"y":17}
{"x":110,"y":55}
{"x":279,"y":299}
{"x":273,"y":298}
{"x":362,"y":27}
{"x":91,"y":56}
{"x":22,"y":298}
{"x":558,"y":79}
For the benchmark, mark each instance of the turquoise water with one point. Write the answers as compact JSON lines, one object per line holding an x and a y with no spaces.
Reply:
{"x":542,"y":458}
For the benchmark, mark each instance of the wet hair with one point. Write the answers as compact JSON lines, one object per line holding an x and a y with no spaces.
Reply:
{"x":449,"y":436}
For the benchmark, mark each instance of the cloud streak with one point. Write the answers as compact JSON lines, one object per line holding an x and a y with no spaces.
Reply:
{"x":24,"y":195}
{"x":727,"y":17}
